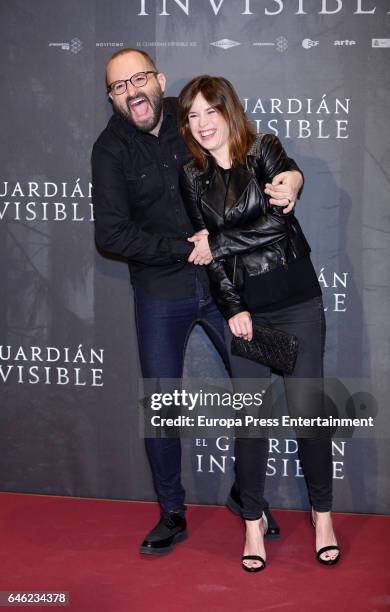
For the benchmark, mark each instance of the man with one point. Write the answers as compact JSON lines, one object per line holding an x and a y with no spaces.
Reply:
{"x":140,"y":215}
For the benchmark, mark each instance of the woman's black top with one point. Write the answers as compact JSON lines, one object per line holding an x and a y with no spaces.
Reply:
{"x":281,"y":287}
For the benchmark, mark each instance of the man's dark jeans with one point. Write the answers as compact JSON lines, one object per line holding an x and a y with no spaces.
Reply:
{"x":163,"y":329}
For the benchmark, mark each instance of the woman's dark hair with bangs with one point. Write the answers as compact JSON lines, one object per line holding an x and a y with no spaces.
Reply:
{"x":220,"y":94}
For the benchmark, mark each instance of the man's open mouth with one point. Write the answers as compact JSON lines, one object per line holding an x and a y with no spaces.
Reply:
{"x":139,"y":106}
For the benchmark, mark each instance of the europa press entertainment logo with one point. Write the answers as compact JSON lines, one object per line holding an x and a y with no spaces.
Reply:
{"x":75,"y":45}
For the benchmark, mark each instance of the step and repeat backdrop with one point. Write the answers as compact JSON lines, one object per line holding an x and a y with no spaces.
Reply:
{"x":314,"y":72}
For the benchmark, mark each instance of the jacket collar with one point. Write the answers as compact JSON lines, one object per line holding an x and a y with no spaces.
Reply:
{"x":213,"y":188}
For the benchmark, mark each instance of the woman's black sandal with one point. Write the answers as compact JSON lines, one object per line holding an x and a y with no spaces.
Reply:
{"x":324,"y":549}
{"x":328,"y":561}
{"x":257,"y":568}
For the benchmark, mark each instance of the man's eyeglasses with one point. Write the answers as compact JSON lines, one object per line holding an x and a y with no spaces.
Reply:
{"x":137,"y":80}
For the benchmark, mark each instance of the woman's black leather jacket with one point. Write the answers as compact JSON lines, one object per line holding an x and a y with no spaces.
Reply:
{"x":246,"y":234}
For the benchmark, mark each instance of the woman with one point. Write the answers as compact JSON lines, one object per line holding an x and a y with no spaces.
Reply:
{"x":260,"y":270}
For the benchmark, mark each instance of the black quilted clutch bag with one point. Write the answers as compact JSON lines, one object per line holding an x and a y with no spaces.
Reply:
{"x":271,"y":347}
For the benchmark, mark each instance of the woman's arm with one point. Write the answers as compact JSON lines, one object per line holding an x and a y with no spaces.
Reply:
{"x":264,"y":231}
{"x":223,"y":291}
{"x":229,"y":301}
{"x":188,"y":188}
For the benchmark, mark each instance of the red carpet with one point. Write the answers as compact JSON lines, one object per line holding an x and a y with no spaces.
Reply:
{"x":90,"y":548}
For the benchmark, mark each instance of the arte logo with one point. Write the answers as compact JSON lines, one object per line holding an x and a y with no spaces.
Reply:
{"x":225,"y":43}
{"x":75,"y":45}
{"x":301,"y":118}
{"x":307,"y":43}
{"x":52,"y":365}
{"x":46,"y":201}
{"x":215,"y":456}
{"x":344,"y":43}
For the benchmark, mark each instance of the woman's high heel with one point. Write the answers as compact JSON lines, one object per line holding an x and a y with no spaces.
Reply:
{"x":261,"y":567}
{"x":324,"y":549}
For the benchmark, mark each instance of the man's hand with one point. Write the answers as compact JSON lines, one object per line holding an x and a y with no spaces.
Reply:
{"x":284,"y":189}
{"x":201,"y":254}
{"x":241,"y":325}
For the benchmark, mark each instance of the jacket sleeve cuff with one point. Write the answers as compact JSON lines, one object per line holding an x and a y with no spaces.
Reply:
{"x":180,"y":250}
{"x":216,"y":245}
{"x":229,"y":310}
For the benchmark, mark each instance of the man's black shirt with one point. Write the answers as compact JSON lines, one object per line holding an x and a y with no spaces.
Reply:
{"x":139,"y":213}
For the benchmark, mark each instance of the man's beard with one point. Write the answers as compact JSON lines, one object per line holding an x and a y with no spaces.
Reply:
{"x":155,"y":100}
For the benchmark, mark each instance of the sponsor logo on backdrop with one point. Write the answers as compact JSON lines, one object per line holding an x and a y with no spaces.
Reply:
{"x":301,"y":118}
{"x":380,"y":43}
{"x":110,"y":44}
{"x":280,"y":44}
{"x":166,"y":8}
{"x":225,"y":43}
{"x":166,"y":43}
{"x":75,"y":45}
{"x":307,"y":43}
{"x":344,"y":43}
{"x":216,"y":456}
{"x":46,"y":201}
{"x":52,"y":365}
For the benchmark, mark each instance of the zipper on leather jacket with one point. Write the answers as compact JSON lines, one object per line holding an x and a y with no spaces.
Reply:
{"x":283,"y":258}
{"x":234,"y":269}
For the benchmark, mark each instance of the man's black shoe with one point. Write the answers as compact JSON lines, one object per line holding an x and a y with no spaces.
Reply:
{"x":170,"y":530}
{"x":233,"y":502}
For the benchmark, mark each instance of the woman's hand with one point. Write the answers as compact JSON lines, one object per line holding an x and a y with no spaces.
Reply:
{"x":241,"y":325}
{"x":201,"y":254}
{"x":284,"y":189}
